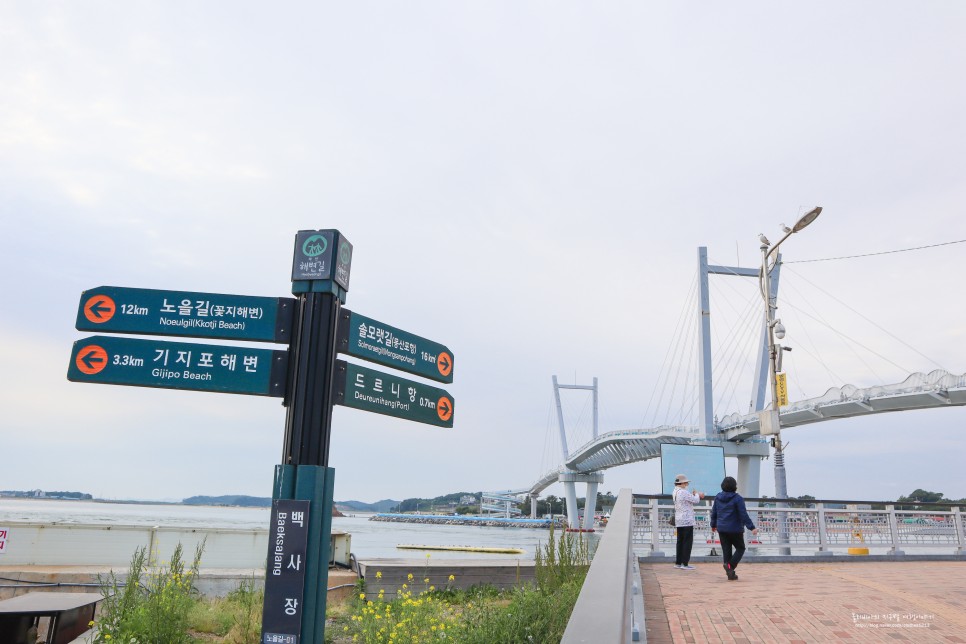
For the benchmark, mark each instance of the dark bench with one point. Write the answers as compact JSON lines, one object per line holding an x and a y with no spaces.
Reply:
{"x":70,"y":615}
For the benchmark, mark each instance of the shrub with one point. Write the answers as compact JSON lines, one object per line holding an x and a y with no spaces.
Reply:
{"x":150,"y":607}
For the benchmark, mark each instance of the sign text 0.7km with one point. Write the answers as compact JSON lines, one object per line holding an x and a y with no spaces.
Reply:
{"x":370,"y":390}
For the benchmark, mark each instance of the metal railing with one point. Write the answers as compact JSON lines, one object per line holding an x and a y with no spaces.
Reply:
{"x":610,"y":607}
{"x":825,"y":526}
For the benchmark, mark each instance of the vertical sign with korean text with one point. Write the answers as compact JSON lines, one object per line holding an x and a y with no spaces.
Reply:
{"x":781,"y":386}
{"x":285,"y":577}
{"x":3,"y":540}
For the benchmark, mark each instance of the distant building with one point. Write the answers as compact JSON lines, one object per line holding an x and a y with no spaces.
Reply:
{"x":468,"y":499}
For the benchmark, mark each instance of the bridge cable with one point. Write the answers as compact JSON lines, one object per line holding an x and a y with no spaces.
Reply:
{"x":671,"y":348}
{"x":850,"y":347}
{"x":872,"y":322}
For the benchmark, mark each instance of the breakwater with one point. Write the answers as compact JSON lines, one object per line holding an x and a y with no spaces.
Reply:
{"x":452,"y":519}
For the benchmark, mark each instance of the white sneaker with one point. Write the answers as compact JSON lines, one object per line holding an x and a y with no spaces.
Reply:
{"x":688,"y":567}
{"x":678,"y":566}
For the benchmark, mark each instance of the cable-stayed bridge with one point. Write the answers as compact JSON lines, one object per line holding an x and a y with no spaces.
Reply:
{"x":739,"y":434}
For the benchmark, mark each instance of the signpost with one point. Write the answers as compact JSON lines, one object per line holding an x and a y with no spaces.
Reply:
{"x":307,"y":376}
{"x":378,"y":342}
{"x":178,"y":365}
{"x":116,"y":309}
{"x":370,"y":390}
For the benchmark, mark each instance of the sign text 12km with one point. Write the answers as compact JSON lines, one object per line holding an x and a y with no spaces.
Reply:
{"x":370,"y":390}
{"x":378,"y":342}
{"x":116,"y":309}
{"x":114,"y":360}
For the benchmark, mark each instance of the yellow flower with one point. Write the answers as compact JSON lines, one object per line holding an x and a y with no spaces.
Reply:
{"x":345,"y":628}
{"x":452,"y":577}
{"x":362,"y":595}
{"x":378,"y":574}
{"x":409,"y":576}
{"x":425,"y":580}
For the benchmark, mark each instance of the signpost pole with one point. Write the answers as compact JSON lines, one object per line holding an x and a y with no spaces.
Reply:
{"x":320,"y":278}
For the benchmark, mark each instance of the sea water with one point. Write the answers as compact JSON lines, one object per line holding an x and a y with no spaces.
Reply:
{"x":370,"y":539}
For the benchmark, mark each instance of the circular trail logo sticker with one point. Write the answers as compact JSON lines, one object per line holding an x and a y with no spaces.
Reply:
{"x":99,"y":309}
{"x":345,"y":254}
{"x":91,"y":359}
{"x":314,"y":245}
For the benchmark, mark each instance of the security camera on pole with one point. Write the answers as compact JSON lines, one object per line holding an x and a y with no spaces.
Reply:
{"x":769,"y":418}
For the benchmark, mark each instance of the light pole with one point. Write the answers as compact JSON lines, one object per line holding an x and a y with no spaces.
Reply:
{"x":770,"y":422}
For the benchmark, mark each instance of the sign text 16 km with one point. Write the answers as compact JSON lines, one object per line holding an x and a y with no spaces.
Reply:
{"x":382,"y":393}
{"x":378,"y":342}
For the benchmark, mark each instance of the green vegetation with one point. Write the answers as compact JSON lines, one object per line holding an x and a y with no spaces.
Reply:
{"x":151,"y":606}
{"x":528,"y":613}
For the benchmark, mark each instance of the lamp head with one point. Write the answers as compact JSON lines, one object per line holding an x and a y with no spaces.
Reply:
{"x":779,"y":329}
{"x":807,"y":218}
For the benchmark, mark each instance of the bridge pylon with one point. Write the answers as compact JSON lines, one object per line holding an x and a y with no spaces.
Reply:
{"x":569,"y":477}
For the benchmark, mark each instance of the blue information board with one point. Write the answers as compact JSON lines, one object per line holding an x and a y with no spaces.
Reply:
{"x":703,"y":465}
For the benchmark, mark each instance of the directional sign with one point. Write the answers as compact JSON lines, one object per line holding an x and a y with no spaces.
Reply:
{"x":116,"y":360}
{"x":375,"y":341}
{"x":116,"y":309}
{"x":322,"y":255}
{"x":382,"y":393}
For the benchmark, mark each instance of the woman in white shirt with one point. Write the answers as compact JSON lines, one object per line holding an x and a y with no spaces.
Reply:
{"x":684,"y":501}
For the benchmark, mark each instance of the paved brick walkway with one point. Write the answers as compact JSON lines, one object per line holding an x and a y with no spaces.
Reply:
{"x":806,"y":602}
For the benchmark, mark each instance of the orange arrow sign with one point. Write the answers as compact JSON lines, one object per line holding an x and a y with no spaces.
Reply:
{"x":91,"y":359}
{"x":99,"y":309}
{"x":444,"y":363}
{"x":444,"y":408}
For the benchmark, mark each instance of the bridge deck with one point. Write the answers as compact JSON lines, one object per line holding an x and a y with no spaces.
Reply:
{"x":806,"y":602}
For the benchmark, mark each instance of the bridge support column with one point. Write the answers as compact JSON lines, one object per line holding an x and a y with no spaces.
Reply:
{"x":570,"y":480}
{"x":590,"y":505}
{"x":749,"y":476}
{"x":533,"y":506}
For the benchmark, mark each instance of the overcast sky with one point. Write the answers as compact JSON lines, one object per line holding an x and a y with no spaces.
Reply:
{"x":526,"y":182}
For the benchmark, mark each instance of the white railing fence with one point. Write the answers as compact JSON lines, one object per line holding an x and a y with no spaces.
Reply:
{"x":824,"y":526}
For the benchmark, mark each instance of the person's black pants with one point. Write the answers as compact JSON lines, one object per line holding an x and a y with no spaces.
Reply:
{"x":735,"y":540}
{"x":682,"y":555}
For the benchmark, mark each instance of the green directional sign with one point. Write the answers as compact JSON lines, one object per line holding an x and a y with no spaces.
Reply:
{"x":116,"y":309}
{"x":382,"y":393}
{"x":113,"y":360}
{"x":378,"y":342}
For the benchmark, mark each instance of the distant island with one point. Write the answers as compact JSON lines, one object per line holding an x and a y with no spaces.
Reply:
{"x":231,"y":499}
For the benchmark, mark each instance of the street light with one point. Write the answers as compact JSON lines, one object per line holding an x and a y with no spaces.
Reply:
{"x":769,"y":419}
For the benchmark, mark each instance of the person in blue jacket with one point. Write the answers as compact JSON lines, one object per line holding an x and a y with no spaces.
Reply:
{"x":729,"y":517}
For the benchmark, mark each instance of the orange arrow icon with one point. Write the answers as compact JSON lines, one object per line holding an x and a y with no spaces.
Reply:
{"x":91,"y":359}
{"x":99,"y":309}
{"x":444,"y":363}
{"x":444,"y":408}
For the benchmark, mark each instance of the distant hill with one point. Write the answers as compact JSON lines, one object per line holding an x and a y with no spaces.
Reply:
{"x":231,"y":499}
{"x":385,"y":505}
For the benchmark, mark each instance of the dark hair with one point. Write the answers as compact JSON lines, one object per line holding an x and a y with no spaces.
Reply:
{"x":729,"y":484}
